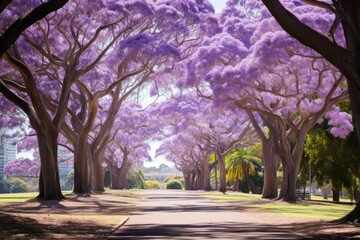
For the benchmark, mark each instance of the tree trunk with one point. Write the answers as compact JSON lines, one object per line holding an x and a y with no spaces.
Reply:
{"x":82,"y":166}
{"x":98,"y":173}
{"x":187,"y":181}
{"x":288,"y":185}
{"x":123,"y":171}
{"x":336,"y":195}
{"x":114,"y":173}
{"x":250,"y":183}
{"x":199,"y":179}
{"x":192,"y":181}
{"x":270,"y":189}
{"x":49,"y":181}
{"x":222,"y":171}
{"x":206,"y":175}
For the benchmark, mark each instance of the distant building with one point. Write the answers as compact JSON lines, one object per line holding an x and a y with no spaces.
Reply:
{"x":7,"y":153}
{"x":65,"y":163}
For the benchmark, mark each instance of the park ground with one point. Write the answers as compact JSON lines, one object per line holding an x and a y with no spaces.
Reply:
{"x":98,"y":216}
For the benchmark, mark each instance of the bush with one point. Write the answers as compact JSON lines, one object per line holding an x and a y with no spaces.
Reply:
{"x":174,"y":184}
{"x":180,"y":179}
{"x":136,"y":179}
{"x":4,"y":187}
{"x":152,"y":184}
{"x":18,"y":185}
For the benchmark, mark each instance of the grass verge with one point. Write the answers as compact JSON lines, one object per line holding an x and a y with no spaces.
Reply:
{"x":306,"y":209}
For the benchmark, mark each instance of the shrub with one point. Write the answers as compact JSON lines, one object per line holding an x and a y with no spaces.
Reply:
{"x":136,"y":179}
{"x":174,"y":184}
{"x":180,"y":179}
{"x":152,"y":184}
{"x":18,"y":185}
{"x":4,"y":187}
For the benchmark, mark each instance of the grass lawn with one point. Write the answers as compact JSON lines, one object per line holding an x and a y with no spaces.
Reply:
{"x":77,"y":217}
{"x":9,"y":198}
{"x":321,"y":198}
{"x":306,"y":209}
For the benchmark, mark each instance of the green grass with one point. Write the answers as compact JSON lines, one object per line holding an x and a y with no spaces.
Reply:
{"x":321,"y":198}
{"x":314,"y":211}
{"x":232,"y":196}
{"x":9,"y":198}
{"x":307,"y":209}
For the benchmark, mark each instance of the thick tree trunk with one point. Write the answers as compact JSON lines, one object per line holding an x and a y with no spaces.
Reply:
{"x":114,"y":173}
{"x":222,"y":170}
{"x":206,"y":175}
{"x":49,"y":181}
{"x":199,"y":180}
{"x":288,"y":185}
{"x":187,"y":181}
{"x":123,"y":171}
{"x":98,"y":173}
{"x":336,"y":195}
{"x":270,"y":189}
{"x":82,"y":166}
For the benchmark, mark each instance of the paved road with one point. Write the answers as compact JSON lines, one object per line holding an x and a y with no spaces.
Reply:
{"x":174,"y":214}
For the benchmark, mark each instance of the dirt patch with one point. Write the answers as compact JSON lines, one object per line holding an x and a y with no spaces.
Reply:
{"x":76,"y":217}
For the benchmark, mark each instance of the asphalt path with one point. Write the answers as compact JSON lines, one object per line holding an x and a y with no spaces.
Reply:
{"x":176,"y":214}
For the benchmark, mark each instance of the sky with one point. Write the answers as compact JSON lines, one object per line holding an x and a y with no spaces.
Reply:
{"x":218,"y":5}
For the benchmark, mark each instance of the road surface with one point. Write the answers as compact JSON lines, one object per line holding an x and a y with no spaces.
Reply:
{"x":181,"y":215}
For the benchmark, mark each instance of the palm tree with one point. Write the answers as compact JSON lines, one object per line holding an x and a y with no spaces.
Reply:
{"x":240,"y":164}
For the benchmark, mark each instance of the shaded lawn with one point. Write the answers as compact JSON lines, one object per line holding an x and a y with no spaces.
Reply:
{"x":77,"y":217}
{"x":305,"y":209}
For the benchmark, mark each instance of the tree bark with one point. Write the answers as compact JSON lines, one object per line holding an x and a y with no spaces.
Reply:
{"x":49,"y":181}
{"x":82,"y":166}
{"x":221,"y":160}
{"x":270,"y":189}
{"x":250,"y":182}
{"x":114,"y":174}
{"x":288,"y":185}
{"x":206,"y":175}
{"x":98,"y":173}
{"x":336,"y":195}
{"x":187,"y":181}
{"x":192,"y":181}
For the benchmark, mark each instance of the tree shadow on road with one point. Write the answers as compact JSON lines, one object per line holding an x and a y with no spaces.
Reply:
{"x":227,"y":230}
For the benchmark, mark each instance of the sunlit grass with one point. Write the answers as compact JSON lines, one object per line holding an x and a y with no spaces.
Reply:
{"x":321,"y":198}
{"x":306,"y":209}
{"x":9,"y":198}
{"x":232,"y":196}
{"x":315,"y":211}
